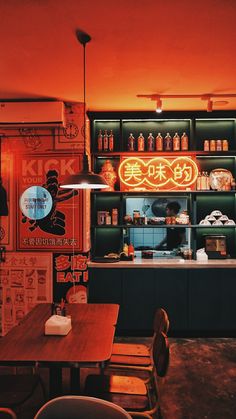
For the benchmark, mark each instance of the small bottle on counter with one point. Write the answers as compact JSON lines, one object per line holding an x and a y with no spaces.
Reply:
{"x":141,"y":142}
{"x":125,"y":249}
{"x":131,"y":142}
{"x":131,"y":250}
{"x":184,"y":142}
{"x":159,"y":142}
{"x":111,"y":141}
{"x":176,"y":142}
{"x":100,"y":141}
{"x":150,"y":142}
{"x":105,"y":141}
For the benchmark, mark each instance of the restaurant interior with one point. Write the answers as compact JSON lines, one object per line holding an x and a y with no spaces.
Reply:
{"x":117,"y":209}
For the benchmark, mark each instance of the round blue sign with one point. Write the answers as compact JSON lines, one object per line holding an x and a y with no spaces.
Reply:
{"x":36,"y":202}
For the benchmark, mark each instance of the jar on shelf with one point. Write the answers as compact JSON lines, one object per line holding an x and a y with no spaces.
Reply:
{"x":206,"y":146}
{"x":212,"y":145}
{"x":225,"y":145}
{"x":114,"y":216}
{"x":109,"y":174}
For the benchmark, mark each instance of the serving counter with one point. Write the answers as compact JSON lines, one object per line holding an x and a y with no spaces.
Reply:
{"x":200,"y":297}
{"x":174,"y":263}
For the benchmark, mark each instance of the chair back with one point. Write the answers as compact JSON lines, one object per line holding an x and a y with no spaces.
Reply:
{"x":6,"y":413}
{"x":161,"y":354}
{"x":80,"y":407}
{"x":161,"y":321}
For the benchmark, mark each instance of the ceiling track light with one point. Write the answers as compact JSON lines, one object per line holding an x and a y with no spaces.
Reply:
{"x":207,"y":96}
{"x":209,"y":105}
{"x":159,"y":106}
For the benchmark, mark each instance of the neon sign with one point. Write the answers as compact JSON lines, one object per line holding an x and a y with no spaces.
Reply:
{"x":158,"y":173}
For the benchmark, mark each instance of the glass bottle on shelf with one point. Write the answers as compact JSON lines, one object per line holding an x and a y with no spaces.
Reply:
{"x":184,"y":142}
{"x":105,"y":141}
{"x":207,"y":181}
{"x":198,"y":185}
{"x":100,"y":141}
{"x":176,"y":142}
{"x":159,"y":142}
{"x":150,"y":142}
{"x":168,"y":142}
{"x":111,"y":141}
{"x":114,"y":216}
{"x":141,"y":146}
{"x":131,"y":142}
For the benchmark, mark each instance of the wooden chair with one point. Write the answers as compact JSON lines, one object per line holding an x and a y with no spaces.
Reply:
{"x":6,"y":413}
{"x":80,"y":407}
{"x":139,"y":355}
{"x":131,"y":392}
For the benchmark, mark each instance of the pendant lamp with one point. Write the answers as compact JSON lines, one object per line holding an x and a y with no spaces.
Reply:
{"x":85,"y":179}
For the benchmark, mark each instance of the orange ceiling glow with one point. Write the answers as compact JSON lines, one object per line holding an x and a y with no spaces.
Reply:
{"x":171,"y":47}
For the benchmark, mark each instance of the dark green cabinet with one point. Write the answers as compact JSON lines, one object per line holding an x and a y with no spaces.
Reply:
{"x":171,"y":286}
{"x":212,"y":297}
{"x":138,"y":299}
{"x":198,"y":301}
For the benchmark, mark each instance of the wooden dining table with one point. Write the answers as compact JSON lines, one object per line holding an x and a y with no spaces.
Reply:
{"x":88,"y":344}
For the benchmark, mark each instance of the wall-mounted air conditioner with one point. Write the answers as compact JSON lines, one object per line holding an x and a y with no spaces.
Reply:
{"x":32,"y":113}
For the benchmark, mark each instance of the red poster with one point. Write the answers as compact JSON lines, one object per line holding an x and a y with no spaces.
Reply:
{"x":61,"y":229}
{"x":6,"y":199}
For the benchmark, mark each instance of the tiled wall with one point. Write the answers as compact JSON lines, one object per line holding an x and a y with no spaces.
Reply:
{"x":146,"y":236}
{"x":149,"y":236}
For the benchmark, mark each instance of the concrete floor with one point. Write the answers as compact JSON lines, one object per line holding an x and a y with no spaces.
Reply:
{"x":200,"y":384}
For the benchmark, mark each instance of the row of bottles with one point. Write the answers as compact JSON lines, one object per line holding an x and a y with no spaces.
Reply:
{"x":204,"y":183}
{"x":105,"y":217}
{"x":216,"y":145}
{"x":159,"y":143}
{"x":105,"y":141}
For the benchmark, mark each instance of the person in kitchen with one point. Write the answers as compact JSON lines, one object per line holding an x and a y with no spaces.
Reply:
{"x":175,"y":237}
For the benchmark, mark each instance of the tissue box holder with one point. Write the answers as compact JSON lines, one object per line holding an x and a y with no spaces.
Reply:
{"x":57,"y":325}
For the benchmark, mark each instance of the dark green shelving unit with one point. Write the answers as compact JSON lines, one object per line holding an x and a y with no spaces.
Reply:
{"x":199,"y":126}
